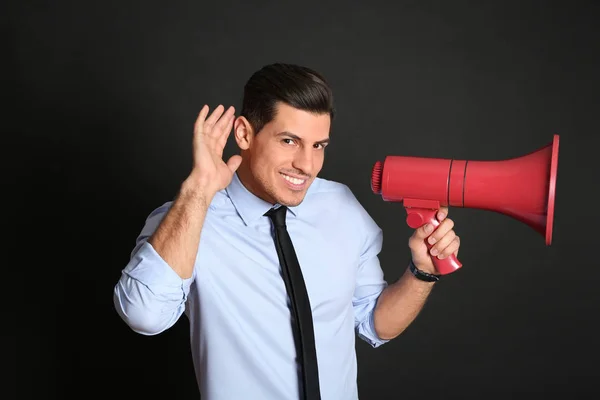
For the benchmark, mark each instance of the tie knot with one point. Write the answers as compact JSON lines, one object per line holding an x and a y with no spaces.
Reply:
{"x":277,"y":215}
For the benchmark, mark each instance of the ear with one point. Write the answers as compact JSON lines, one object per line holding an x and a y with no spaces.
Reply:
{"x":243,"y":132}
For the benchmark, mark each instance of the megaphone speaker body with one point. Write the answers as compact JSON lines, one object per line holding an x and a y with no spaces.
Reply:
{"x":522,"y":188}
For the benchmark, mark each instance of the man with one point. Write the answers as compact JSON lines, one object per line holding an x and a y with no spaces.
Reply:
{"x":214,"y":253}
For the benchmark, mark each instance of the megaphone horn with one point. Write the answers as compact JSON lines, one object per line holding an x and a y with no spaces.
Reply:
{"x":523,"y":188}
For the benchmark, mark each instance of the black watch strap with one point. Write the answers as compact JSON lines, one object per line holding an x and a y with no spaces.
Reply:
{"x":424,"y":276}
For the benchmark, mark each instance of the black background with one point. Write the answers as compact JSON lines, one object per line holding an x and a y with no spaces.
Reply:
{"x":100,"y":100}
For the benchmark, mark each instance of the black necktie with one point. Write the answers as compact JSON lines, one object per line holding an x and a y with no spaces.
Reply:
{"x":301,"y":312}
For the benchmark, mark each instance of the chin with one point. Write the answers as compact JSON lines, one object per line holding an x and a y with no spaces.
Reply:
{"x":287,"y":193}
{"x":291,"y":203}
{"x":290,"y":200}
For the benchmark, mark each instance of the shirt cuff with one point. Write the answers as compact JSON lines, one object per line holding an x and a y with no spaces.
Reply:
{"x":366,"y":331}
{"x":150,"y":269}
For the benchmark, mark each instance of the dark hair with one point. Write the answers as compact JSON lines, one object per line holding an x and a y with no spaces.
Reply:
{"x":297,"y":86}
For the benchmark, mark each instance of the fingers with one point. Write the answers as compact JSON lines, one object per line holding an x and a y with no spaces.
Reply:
{"x":422,"y":232}
{"x":452,"y":248}
{"x":445,"y":226}
{"x":441,"y":248}
{"x":216,"y":122}
{"x":442,"y":213}
{"x":224,"y":134}
{"x":201,"y":118}
{"x":212,"y":119}
{"x":234,"y":162}
{"x":425,"y":230}
{"x":224,"y":122}
{"x":444,"y":240}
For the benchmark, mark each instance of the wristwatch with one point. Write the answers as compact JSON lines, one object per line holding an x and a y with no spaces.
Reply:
{"x":424,"y":276}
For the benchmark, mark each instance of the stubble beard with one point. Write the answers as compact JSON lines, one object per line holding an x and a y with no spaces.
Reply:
{"x":293,"y":200}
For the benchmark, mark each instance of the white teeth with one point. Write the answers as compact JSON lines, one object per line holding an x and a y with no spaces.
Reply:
{"x":295,"y":181}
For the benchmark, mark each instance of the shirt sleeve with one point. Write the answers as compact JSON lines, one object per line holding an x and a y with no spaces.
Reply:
{"x":370,"y":281}
{"x":150,"y":296}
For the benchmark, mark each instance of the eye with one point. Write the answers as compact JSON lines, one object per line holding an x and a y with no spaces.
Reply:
{"x":288,"y":141}
{"x":319,"y":145}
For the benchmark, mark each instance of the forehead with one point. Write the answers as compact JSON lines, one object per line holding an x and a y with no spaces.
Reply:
{"x":302,"y":123}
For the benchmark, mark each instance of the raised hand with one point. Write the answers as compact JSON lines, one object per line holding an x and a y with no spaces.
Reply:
{"x":210,"y":136}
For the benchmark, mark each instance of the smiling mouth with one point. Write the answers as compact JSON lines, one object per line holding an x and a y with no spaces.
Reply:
{"x":294,"y":182}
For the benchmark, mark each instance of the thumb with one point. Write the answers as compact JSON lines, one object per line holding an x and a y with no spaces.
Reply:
{"x":424,"y":231}
{"x":234,"y":163}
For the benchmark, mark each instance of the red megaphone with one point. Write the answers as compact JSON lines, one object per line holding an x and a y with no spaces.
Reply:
{"x":522,"y":188}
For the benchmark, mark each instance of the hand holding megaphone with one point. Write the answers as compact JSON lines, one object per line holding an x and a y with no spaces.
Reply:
{"x":522,"y":188}
{"x":442,"y":230}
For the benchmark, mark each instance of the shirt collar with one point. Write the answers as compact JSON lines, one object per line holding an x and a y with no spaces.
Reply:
{"x":249,"y":206}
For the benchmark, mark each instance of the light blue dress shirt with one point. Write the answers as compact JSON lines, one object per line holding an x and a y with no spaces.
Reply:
{"x":240,"y":330}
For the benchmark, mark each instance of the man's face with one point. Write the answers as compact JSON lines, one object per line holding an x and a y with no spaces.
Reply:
{"x":285,"y":157}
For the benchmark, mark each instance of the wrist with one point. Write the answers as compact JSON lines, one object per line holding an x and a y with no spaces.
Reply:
{"x":422,"y":275}
{"x":425,"y":266}
{"x":195,"y":190}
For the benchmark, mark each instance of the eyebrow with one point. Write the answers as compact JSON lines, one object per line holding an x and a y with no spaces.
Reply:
{"x":296,"y":137}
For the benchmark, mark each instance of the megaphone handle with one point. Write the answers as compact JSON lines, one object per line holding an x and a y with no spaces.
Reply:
{"x":417,"y":217}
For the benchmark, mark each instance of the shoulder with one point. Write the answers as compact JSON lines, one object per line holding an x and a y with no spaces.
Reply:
{"x":219,"y":200}
{"x":340,"y":197}
{"x":156,"y":215}
{"x":335,"y":192}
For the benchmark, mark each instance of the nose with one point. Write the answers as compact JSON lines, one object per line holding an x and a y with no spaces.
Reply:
{"x":303,"y":160}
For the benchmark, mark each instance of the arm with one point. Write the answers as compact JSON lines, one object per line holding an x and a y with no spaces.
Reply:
{"x":370,"y":284}
{"x":150,"y":296}
{"x":401,"y":302}
{"x":399,"y":305}
{"x":151,"y":293}
{"x":370,"y":281}
{"x":177,"y":238}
